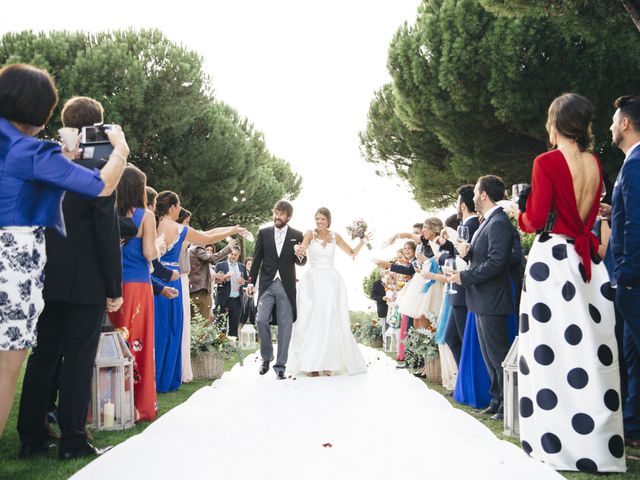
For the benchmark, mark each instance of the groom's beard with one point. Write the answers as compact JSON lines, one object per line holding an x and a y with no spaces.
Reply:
{"x":280,"y":223}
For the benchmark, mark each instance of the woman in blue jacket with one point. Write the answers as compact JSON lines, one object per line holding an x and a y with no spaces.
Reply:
{"x":33,"y":177}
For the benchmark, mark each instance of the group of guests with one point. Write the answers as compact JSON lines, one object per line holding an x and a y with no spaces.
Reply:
{"x":571,"y":300}
{"x":111,"y":245}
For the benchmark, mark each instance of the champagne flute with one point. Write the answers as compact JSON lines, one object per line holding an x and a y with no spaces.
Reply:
{"x":449,"y":269}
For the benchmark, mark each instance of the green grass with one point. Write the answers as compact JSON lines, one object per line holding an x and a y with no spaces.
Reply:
{"x":49,"y":467}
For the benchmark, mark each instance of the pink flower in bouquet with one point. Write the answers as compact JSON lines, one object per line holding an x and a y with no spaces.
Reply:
{"x":358,"y":229}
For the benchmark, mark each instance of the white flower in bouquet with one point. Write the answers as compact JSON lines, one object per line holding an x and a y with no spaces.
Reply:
{"x":358,"y":229}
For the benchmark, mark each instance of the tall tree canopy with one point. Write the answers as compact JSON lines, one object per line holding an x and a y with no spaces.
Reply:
{"x":180,"y":135}
{"x":470,"y":90}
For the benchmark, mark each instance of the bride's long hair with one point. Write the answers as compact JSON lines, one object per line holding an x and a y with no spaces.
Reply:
{"x":325,"y":213}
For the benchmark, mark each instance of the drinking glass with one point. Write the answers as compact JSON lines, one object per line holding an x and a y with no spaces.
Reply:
{"x":463,"y":234}
{"x":449,"y":269}
{"x":603,"y":193}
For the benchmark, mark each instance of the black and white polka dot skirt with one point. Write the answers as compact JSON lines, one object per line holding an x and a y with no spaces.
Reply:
{"x":22,"y":260}
{"x":568,"y":378}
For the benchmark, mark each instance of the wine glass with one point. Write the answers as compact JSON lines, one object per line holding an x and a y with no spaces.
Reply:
{"x":463,"y":234}
{"x":449,"y":269}
{"x":603,"y":193}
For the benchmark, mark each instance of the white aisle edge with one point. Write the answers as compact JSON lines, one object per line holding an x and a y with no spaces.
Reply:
{"x":378,"y":425}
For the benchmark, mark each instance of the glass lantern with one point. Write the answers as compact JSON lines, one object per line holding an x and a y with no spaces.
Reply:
{"x":391,"y":339}
{"x":112,"y":405}
{"x":248,"y":336}
{"x":510,"y":369}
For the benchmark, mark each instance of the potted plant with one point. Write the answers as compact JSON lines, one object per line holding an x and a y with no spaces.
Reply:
{"x":421,"y":353}
{"x":370,"y":334}
{"x":210,"y":345}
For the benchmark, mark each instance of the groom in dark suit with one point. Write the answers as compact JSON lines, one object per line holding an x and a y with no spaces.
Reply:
{"x":275,"y":260}
{"x":487,"y":284}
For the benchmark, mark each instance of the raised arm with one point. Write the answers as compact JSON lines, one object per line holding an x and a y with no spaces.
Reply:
{"x":352,"y":252}
{"x":112,"y":171}
{"x":212,"y":236}
{"x":409,"y":236}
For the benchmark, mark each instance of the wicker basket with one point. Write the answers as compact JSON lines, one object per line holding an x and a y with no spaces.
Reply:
{"x":432,"y":370}
{"x":209,"y":365}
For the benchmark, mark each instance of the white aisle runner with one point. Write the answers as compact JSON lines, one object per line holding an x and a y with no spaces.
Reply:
{"x":379,"y":425}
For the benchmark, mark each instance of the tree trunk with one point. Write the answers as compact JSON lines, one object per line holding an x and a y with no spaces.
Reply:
{"x":633,"y":7}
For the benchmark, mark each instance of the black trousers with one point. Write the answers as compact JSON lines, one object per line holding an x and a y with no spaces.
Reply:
{"x":494,"y":344}
{"x":455,"y":330}
{"x":234,"y":308}
{"x":73,"y":331}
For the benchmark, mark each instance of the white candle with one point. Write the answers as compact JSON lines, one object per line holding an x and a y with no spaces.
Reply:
{"x":109,"y":414}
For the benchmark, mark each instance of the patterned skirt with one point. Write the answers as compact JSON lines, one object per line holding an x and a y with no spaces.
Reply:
{"x":22,"y":259}
{"x":568,"y":378}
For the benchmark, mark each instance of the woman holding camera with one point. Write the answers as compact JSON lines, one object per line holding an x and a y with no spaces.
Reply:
{"x":33,"y":177}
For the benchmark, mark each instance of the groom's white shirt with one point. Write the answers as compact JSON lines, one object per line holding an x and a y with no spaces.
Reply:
{"x":279,"y":234}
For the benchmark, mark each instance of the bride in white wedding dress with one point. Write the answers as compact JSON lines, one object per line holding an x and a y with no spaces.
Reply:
{"x":322,"y":342}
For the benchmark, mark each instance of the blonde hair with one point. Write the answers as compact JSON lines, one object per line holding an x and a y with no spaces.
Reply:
{"x":434,"y":224}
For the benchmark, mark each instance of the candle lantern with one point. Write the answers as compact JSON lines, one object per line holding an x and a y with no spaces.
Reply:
{"x":112,"y":405}
{"x":510,"y":369}
{"x":248,"y":336}
{"x":391,"y":339}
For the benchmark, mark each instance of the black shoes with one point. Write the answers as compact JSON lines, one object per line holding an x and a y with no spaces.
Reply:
{"x":281,"y":375}
{"x":28,"y":451}
{"x":490,"y":410}
{"x":87,"y":450}
{"x":264,"y":368}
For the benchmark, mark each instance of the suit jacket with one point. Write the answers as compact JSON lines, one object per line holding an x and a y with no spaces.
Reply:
{"x":200,"y":274}
{"x":487,"y":284}
{"x":266,"y":262}
{"x":460,"y":299}
{"x":224,"y":289}
{"x":378,"y":293}
{"x":85,"y":267}
{"x":625,"y":223}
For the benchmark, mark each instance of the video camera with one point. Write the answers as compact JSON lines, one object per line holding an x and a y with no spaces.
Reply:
{"x":94,"y":141}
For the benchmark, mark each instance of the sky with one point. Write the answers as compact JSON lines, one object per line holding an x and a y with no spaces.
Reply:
{"x":304,"y":73}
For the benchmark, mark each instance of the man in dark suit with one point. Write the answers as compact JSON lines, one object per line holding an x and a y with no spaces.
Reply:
{"x":274,"y":260}
{"x":488,"y":290}
{"x":83,"y":277}
{"x":458,"y":301}
{"x":624,"y":250}
{"x":379,"y":295}
{"x":229,"y":293}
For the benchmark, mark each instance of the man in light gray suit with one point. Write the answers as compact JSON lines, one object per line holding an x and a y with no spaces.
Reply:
{"x":274,"y":262}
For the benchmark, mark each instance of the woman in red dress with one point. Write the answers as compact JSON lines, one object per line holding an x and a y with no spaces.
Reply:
{"x":568,"y":382}
{"x":136,"y":313}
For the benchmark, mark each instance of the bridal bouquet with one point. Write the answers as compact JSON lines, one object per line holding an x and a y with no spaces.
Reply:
{"x":358,"y":229}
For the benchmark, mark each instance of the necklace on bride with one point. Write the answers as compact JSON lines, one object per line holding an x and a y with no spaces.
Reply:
{"x":324,"y":241}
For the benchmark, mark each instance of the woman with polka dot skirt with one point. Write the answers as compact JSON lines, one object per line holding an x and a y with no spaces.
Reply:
{"x":569,"y":382}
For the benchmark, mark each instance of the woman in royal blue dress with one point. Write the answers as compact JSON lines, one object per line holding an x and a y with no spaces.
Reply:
{"x":168,"y":313}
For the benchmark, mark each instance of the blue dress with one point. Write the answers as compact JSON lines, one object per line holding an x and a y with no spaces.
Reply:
{"x":168,"y":324}
{"x":472,"y":384}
